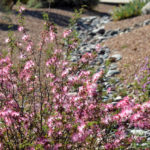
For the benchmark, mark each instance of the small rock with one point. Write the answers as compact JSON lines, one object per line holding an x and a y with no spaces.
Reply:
{"x":106,"y":55}
{"x":112,"y":73}
{"x":74,"y":58}
{"x":100,"y":30}
{"x":136,"y":25}
{"x":139,"y":132}
{"x":146,"y":22}
{"x":105,"y":98}
{"x":115,"y":57}
{"x":148,"y":139}
{"x":126,"y":30}
{"x":144,"y":144}
{"x":113,"y":66}
{"x":146,"y":9}
{"x":118,"y":98}
{"x":99,"y":61}
{"x":101,"y":52}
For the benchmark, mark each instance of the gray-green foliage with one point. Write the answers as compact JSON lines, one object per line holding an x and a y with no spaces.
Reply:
{"x":6,"y":5}
{"x":129,"y":10}
{"x":35,"y":3}
{"x":39,"y":3}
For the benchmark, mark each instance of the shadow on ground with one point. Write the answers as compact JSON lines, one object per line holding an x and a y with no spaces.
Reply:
{"x":6,"y":27}
{"x":58,"y":19}
{"x":97,"y":13}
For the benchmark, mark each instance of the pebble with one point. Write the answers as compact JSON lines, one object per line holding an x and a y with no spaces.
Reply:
{"x":116,"y":57}
{"x":112,"y":73}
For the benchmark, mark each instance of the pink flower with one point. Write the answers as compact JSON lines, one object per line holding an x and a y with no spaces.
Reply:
{"x":75,"y":137}
{"x":145,"y":105}
{"x":2,"y":96}
{"x":83,"y":60}
{"x":57,"y":146}
{"x":20,"y":28}
{"x":52,"y":35}
{"x":108,"y":107}
{"x":91,"y":88}
{"x":1,"y":146}
{"x":98,"y":47}
{"x":65,"y":72}
{"x":124,"y":103}
{"x":7,"y":40}
{"x":108,"y":146}
{"x":135,"y":117}
{"x":51,"y":61}
{"x":57,"y":51}
{"x":66,"y":33}
{"x":50,"y":75}
{"x":81,"y":128}
{"x":29,"y":64}
{"x":96,"y":76}
{"x":25,"y":37}
{"x":106,"y":120}
{"x":125,"y":114}
{"x":109,"y":90}
{"x":22,"y":56}
{"x":29,"y":47}
{"x":21,"y":9}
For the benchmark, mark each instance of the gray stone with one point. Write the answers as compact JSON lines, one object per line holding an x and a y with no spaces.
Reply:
{"x":99,"y":30}
{"x":126,"y":30}
{"x":74,"y":58}
{"x":116,"y":57}
{"x":148,"y":139}
{"x":113,"y":66}
{"x":102,"y":51}
{"x":112,"y":73}
{"x":140,"y":132}
{"x":118,"y":98}
{"x":112,"y":32}
{"x":106,"y":55}
{"x":101,"y":38}
{"x":146,"y":22}
{"x":85,"y":19}
{"x":146,"y":9}
{"x":105,"y":98}
{"x":136,"y":25}
{"x":95,"y":22}
{"x":99,"y":60}
{"x":144,"y":144}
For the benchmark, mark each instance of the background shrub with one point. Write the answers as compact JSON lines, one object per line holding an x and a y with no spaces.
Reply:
{"x":55,"y":3}
{"x":6,"y":4}
{"x":129,"y":10}
{"x":76,"y":3}
{"x":35,"y":3}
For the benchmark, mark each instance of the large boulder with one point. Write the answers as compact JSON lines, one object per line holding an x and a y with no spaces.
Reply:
{"x":146,"y":9}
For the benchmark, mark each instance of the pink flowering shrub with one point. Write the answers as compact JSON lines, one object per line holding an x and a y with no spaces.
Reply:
{"x":126,"y":114}
{"x":48,"y":102}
